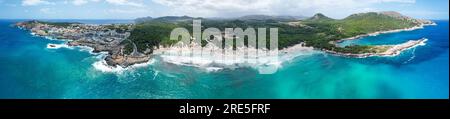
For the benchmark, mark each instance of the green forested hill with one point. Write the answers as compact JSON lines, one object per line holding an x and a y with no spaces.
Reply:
{"x":319,"y":17}
{"x":150,"y":34}
{"x":318,"y":31}
{"x":371,"y":22}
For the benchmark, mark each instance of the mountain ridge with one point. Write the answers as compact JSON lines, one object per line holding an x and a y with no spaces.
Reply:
{"x":262,"y":17}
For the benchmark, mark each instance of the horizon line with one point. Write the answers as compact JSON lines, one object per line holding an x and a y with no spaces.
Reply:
{"x":123,"y":19}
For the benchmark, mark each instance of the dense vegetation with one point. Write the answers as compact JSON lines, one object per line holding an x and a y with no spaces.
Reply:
{"x":58,"y":24}
{"x":150,"y":35}
{"x":318,"y":31}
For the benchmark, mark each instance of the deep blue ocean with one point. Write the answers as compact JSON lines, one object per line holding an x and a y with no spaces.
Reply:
{"x":28,"y":69}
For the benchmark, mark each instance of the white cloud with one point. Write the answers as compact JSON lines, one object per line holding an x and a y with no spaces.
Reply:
{"x":79,"y":2}
{"x":35,"y":2}
{"x":397,"y":1}
{"x":128,"y":11}
{"x":213,"y":8}
{"x":46,"y":10}
{"x":125,"y":2}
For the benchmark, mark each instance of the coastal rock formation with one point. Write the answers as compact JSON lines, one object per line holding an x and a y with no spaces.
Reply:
{"x":386,"y":50}
{"x":102,"y":38}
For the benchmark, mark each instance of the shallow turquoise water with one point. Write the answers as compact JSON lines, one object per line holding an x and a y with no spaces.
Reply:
{"x":29,"y":70}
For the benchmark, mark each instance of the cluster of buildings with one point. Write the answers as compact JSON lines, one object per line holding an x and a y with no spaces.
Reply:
{"x":104,"y":34}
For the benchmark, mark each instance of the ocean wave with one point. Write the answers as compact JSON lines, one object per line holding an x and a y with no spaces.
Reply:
{"x":412,"y":57}
{"x":213,"y":61}
{"x":49,"y":37}
{"x":58,"y":46}
{"x":213,"y":69}
{"x":423,"y":43}
{"x":414,"y":51}
{"x":90,"y":50}
{"x":80,"y":48}
{"x":102,"y":66}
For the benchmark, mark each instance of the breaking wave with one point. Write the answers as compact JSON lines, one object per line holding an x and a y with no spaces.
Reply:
{"x":215,"y":60}
{"x":102,"y":66}
{"x":58,"y":46}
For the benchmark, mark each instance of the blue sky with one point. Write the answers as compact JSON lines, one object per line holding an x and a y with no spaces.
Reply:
{"x":130,"y":9}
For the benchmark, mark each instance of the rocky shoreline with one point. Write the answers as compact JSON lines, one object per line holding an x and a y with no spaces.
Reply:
{"x":115,"y":55}
{"x":391,"y":50}
{"x":101,"y":38}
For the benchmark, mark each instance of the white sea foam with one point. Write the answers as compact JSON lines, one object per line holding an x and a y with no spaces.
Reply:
{"x":50,"y":38}
{"x":102,"y":66}
{"x":414,"y":51}
{"x":90,"y":50}
{"x":80,"y":48}
{"x":423,"y":43}
{"x":213,"y":69}
{"x":58,"y":46}
{"x":412,"y":57}
{"x":211,"y":59}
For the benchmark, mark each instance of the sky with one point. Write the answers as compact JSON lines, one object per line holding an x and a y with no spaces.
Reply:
{"x":131,"y":9}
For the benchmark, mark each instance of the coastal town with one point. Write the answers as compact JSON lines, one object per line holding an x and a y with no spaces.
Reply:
{"x":111,"y":33}
{"x":102,"y":38}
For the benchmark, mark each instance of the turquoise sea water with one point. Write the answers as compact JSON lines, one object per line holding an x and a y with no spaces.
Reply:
{"x":29,"y":70}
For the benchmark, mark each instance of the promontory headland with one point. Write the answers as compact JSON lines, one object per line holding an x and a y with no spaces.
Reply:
{"x":102,"y":38}
{"x":129,"y":44}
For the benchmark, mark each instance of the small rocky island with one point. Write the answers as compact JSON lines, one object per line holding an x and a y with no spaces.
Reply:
{"x":129,"y":44}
